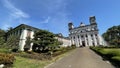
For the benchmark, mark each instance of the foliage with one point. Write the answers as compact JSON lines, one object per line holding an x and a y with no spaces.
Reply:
{"x":2,"y":37}
{"x":112,"y":35}
{"x":43,"y":40}
{"x":12,"y":42}
{"x":28,"y":43}
{"x":9,"y":29}
{"x":6,"y":58}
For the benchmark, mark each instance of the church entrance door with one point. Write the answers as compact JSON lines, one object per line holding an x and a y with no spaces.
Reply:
{"x":83,"y":43}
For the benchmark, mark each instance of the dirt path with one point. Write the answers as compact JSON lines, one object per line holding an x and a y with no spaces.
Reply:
{"x":81,"y":58}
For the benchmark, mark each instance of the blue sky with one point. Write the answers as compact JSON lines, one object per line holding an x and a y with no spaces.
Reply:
{"x":54,"y":15}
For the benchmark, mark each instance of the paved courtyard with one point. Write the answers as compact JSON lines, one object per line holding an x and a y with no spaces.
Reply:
{"x":81,"y":58}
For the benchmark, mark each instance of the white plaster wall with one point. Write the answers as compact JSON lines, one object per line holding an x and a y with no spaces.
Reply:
{"x":22,"y":40}
{"x":66,"y":42}
{"x":102,"y":41}
{"x":32,"y":34}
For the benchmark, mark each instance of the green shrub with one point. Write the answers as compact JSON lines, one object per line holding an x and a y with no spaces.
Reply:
{"x":33,"y":55}
{"x":107,"y":51}
{"x":112,"y":52}
{"x":57,"y":53}
{"x":116,"y":60}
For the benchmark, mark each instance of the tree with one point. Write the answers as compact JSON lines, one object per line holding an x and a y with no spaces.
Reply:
{"x":2,"y":37}
{"x":9,"y":29}
{"x":44,"y":39}
{"x":28,"y":43}
{"x":12,"y":42}
{"x":112,"y":35}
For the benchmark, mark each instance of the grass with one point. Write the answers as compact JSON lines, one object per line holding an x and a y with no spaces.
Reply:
{"x":4,"y":50}
{"x":109,"y":51}
{"x":22,"y":62}
{"x":112,"y":54}
{"x":116,"y":58}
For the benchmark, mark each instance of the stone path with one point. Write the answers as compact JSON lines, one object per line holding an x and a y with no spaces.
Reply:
{"x":81,"y":58}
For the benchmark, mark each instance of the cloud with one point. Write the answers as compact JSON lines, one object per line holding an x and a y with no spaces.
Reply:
{"x":46,"y":20}
{"x":15,"y":16}
{"x":17,"y":13}
{"x":50,"y":15}
{"x":58,"y":18}
{"x":6,"y":26}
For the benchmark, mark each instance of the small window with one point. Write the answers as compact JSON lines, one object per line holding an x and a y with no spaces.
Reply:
{"x":82,"y":36}
{"x":86,"y":35}
{"x":95,"y":34}
{"x":74,"y":37}
{"x":91,"y":35}
{"x":78,"y":36}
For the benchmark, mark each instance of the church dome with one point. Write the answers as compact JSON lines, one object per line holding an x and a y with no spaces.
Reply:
{"x":82,"y":24}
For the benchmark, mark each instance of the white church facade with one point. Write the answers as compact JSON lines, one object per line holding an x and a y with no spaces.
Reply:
{"x":85,"y":35}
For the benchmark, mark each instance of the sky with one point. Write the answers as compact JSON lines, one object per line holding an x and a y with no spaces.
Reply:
{"x":54,"y":15}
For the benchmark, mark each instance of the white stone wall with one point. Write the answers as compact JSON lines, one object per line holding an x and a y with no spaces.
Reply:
{"x":66,"y":42}
{"x":23,"y":39}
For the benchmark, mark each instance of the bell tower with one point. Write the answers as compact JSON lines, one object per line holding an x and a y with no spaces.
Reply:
{"x":70,"y":25}
{"x":92,"y":20}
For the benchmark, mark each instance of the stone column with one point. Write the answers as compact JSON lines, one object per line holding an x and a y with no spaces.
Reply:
{"x":85,"y":40}
{"x":80,"y":40}
{"x":94,"y":39}
{"x":98,"y":40}
{"x":73,"y":40}
{"x":76,"y":41}
{"x":89,"y":40}
{"x":70,"y":43}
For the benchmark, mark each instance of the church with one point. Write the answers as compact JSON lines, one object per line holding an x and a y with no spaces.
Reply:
{"x":85,"y":35}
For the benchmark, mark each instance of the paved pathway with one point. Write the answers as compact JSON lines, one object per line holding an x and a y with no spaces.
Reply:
{"x":81,"y":58}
